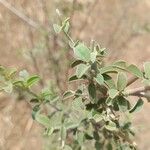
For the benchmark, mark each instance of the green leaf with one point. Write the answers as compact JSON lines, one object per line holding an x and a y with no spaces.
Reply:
{"x":93,"y":56}
{"x":71,"y":125}
{"x":113,"y":93}
{"x":77,"y":104}
{"x":63,"y":133}
{"x":8,"y":87}
{"x":98,"y":145}
{"x":111,"y":126}
{"x":80,"y":138}
{"x":68,"y":94}
{"x":121,"y":81}
{"x":109,"y":146}
{"x":32,"y":80}
{"x":92,"y":91}
{"x":109,"y":81}
{"x":66,"y":27}
{"x":35,"y":110}
{"x":122,"y":104}
{"x":99,"y":79}
{"x":49,"y":131}
{"x":81,"y":70}
{"x":137,"y":107}
{"x":57,"y":28}
{"x":96,"y":135}
{"x":147,"y":69}
{"x":97,"y":117}
{"x":109,"y":101}
{"x":67,"y":147}
{"x":73,"y":78}
{"x":120,"y":64}
{"x":135,"y":70}
{"x":42,"y":119}
{"x":109,"y":69}
{"x":82,"y":52}
{"x":76,"y":63}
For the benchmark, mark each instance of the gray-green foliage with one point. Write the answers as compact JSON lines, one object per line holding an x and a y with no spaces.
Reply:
{"x":88,"y":117}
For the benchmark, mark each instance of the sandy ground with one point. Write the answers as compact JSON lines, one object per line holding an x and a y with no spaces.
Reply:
{"x":121,"y":26}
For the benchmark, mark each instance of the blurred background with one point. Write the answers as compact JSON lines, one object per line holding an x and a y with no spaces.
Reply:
{"x":27,"y":41}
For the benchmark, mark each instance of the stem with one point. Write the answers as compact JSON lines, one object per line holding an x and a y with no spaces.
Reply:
{"x":68,"y":37}
{"x":138,"y":91}
{"x":35,"y":95}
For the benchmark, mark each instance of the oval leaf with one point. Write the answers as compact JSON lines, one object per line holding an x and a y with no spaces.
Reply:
{"x":32,"y":80}
{"x":42,"y":119}
{"x":137,"y":106}
{"x":81,"y":70}
{"x":99,"y":79}
{"x":113,"y":93}
{"x":121,"y":81}
{"x":82,"y":52}
{"x":135,"y":70}
{"x":147,"y":69}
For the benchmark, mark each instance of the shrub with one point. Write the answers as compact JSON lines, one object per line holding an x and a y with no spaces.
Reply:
{"x":96,"y":114}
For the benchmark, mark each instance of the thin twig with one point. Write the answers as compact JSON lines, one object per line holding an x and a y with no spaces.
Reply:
{"x":85,"y":23}
{"x":138,"y":91}
{"x":19,"y":14}
{"x":35,"y":64}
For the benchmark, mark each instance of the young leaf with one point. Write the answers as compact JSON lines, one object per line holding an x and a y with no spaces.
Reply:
{"x":93,"y":56}
{"x":113,"y":93}
{"x":137,"y":107}
{"x":147,"y":69}
{"x":32,"y":80}
{"x":121,"y":81}
{"x":99,"y":79}
{"x":82,"y":52}
{"x":24,"y":74}
{"x":57,"y":28}
{"x":67,"y":26}
{"x":135,"y":70}
{"x":81,"y":70}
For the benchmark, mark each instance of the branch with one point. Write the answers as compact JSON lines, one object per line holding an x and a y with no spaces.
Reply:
{"x":140,"y":92}
{"x":19,"y":14}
